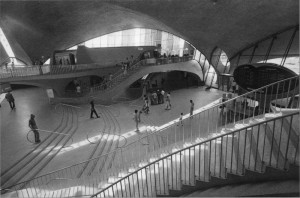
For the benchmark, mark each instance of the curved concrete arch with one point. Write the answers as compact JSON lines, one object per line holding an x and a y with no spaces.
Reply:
{"x":190,"y":66}
{"x":37,"y":84}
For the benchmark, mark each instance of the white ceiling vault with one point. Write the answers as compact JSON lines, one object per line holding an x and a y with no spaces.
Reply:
{"x":41,"y":27}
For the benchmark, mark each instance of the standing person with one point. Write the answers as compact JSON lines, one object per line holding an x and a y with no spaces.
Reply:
{"x":162,"y":96}
{"x":139,"y":115}
{"x":168,"y":100}
{"x":32,"y":125}
{"x":11,"y":100}
{"x":144,"y":90}
{"x":146,"y":106}
{"x":145,"y":97}
{"x":131,"y":60}
{"x":192,"y":107}
{"x":93,"y":110}
{"x":148,"y":84}
{"x":233,"y":86}
{"x":180,"y":119}
{"x":155,"y":100}
{"x":159,"y":97}
{"x":78,"y":89}
{"x":136,"y":119}
{"x":110,"y":77}
{"x":125,"y":69}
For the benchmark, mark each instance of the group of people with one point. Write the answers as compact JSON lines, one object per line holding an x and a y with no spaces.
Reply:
{"x":159,"y":97}
{"x":126,"y":64}
{"x":145,"y":109}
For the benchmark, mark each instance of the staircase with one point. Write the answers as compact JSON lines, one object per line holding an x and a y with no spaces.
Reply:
{"x":120,"y":81}
{"x":224,"y":144}
{"x":256,"y":153}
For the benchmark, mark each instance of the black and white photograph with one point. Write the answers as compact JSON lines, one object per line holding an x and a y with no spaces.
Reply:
{"x":149,"y":98}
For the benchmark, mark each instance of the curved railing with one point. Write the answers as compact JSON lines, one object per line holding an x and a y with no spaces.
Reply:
{"x":36,"y":70}
{"x":120,"y":75}
{"x":216,"y":156}
{"x":220,"y":118}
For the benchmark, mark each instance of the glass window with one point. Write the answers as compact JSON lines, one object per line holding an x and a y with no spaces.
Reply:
{"x":103,"y":41}
{"x":110,"y":40}
{"x":73,"y":48}
{"x":170,"y":44}
{"x":197,"y":55}
{"x":118,"y":38}
{"x":224,"y":59}
{"x":6,"y":44}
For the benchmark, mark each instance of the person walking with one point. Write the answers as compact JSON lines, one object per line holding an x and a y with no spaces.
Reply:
{"x":192,"y":107}
{"x":93,"y":110}
{"x":32,"y":125}
{"x":168,"y":100}
{"x":136,"y":119}
{"x":11,"y":100}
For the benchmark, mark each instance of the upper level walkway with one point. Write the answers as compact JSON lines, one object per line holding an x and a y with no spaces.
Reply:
{"x":36,"y":72}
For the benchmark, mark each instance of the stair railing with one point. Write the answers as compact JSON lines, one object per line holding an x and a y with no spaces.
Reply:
{"x":133,"y":68}
{"x":220,"y":118}
{"x":216,"y":156}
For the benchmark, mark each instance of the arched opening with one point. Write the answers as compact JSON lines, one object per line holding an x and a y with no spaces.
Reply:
{"x":167,"y":81}
{"x":84,"y":82}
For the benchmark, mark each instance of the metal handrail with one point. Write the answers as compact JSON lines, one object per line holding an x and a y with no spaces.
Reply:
{"x":43,"y":70}
{"x":220,"y":104}
{"x":189,"y":147}
{"x":203,"y":112}
{"x":57,"y":179}
{"x":135,"y":66}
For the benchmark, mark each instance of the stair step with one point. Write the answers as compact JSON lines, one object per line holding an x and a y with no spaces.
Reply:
{"x":202,"y":172}
{"x":277,"y":158}
{"x":254,"y":151}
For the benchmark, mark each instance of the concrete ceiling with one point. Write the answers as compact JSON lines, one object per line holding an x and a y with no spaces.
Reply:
{"x":41,"y":27}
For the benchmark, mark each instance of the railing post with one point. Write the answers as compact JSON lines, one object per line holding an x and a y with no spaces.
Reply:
{"x":288,"y":142}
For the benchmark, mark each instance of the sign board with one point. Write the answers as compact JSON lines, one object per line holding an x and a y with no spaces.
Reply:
{"x":50,"y":93}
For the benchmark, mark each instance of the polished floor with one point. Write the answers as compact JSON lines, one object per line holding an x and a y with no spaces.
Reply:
{"x":114,"y":119}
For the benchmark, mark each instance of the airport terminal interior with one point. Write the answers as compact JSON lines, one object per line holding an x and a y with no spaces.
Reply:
{"x":148,"y":98}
